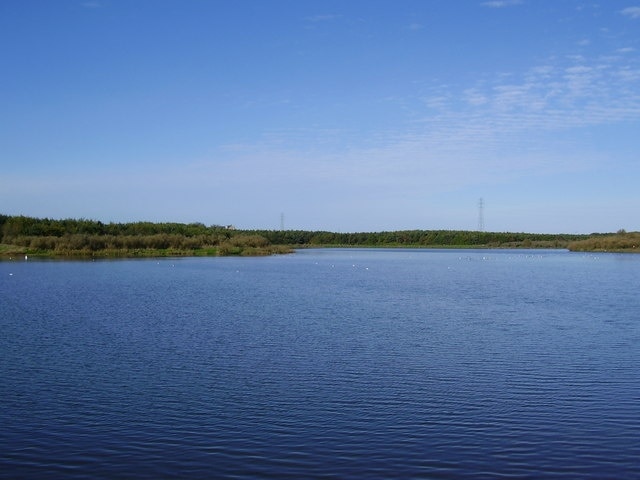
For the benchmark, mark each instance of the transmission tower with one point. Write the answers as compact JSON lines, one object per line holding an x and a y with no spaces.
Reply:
{"x":282,"y":221}
{"x":481,"y":215}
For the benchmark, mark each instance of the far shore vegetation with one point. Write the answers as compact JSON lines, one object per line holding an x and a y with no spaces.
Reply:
{"x":622,"y":241}
{"x":21,"y":235}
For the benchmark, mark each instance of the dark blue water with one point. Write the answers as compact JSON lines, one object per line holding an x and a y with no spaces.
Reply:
{"x":325,"y":363}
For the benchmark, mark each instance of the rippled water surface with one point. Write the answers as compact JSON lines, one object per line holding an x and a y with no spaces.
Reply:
{"x":325,"y":363}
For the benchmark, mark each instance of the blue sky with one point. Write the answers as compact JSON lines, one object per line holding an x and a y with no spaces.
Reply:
{"x":339,"y":115}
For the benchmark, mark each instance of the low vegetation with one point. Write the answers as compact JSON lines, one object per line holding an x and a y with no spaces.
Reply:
{"x":45,"y":237}
{"x":619,"y":242}
{"x":20,"y":235}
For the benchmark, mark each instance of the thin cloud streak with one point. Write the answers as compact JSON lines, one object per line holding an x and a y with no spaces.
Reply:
{"x":501,"y":3}
{"x":323,"y":17}
{"x":91,"y":4}
{"x":633,"y":12}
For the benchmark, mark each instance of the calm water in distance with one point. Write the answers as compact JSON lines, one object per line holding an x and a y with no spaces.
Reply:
{"x":325,"y":363}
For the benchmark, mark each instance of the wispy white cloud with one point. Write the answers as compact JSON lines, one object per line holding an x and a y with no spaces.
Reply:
{"x":436,"y":101}
{"x":325,"y":17}
{"x":501,"y":3}
{"x":475,"y":96}
{"x":91,"y":4}
{"x":633,"y":12}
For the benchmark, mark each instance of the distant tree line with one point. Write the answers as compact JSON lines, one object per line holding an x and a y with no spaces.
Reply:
{"x":13,"y":226}
{"x":82,"y":236}
{"x":421,"y":238}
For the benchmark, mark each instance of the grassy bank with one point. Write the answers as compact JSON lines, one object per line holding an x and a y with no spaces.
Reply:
{"x":10,"y":251}
{"x":620,"y":242}
{"x":101,"y":246}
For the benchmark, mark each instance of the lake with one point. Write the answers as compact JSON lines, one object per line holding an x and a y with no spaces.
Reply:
{"x":340,"y":363}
